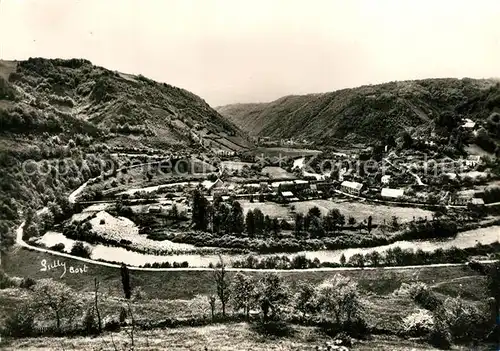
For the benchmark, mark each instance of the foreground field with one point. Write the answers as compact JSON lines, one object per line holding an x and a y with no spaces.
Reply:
{"x":183,"y":295}
{"x":224,"y":337}
{"x":188,"y":284}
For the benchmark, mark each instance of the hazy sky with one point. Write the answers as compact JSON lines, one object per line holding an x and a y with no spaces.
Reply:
{"x":230,"y":51}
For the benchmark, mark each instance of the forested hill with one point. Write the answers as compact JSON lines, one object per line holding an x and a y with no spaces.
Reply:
{"x":368,"y":112}
{"x":53,"y":111}
{"x":42,"y":95}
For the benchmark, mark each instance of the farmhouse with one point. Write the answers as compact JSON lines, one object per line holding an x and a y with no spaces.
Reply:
{"x":392,"y":193}
{"x":154,"y":209}
{"x":472,"y":160}
{"x":385,"y":179}
{"x":469,"y":124}
{"x":463,"y":197}
{"x":353,"y":188}
{"x":477,"y":202}
{"x":287,"y":196}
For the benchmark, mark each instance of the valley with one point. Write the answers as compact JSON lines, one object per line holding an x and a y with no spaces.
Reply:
{"x":111,"y":178}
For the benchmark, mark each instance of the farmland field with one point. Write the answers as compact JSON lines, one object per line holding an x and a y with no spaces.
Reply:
{"x":268,"y":208}
{"x":187,"y":284}
{"x":277,"y":173}
{"x":285,"y":152}
{"x":361,"y":211}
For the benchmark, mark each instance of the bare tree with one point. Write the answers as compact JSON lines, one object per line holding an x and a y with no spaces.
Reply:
{"x":96,"y":304}
{"x":223,"y":284}
{"x":211,"y":301}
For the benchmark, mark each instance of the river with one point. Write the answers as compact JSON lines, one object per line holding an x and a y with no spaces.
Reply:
{"x":462,"y":240}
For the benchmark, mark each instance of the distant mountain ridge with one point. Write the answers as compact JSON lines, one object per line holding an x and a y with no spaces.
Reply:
{"x":367,"y":112}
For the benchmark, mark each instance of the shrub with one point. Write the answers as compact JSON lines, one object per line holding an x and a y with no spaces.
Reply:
{"x":273,"y":328}
{"x":465,"y":321}
{"x":440,"y":335}
{"x":6,"y":281}
{"x":123,"y":315}
{"x":20,"y":323}
{"x":27,"y":283}
{"x":419,"y":323}
{"x":79,"y":249}
{"x":421,"y":294}
{"x":90,"y":322}
{"x":58,"y":247}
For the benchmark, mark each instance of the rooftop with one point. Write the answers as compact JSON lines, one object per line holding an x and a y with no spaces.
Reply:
{"x":393,"y":193}
{"x":353,"y":185}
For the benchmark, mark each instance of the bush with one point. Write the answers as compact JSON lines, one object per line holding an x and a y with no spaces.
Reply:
{"x":90,"y":322}
{"x":27,"y":283}
{"x":80,"y":250}
{"x":440,"y":335}
{"x":417,"y":324}
{"x":6,"y":281}
{"x":273,"y":328}
{"x":20,"y":323}
{"x":58,"y":247}
{"x":123,"y":315}
{"x":421,"y":294}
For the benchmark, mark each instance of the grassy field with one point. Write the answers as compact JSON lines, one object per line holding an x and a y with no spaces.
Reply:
{"x":285,"y":152}
{"x":184,"y":294}
{"x":268,"y":208}
{"x":277,"y":173}
{"x":360,"y":211}
{"x":188,"y":284}
{"x":224,"y":337}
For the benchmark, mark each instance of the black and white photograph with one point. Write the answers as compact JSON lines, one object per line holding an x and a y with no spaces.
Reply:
{"x":254,"y":175}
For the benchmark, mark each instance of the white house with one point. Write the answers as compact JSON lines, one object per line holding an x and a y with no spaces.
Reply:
{"x":469,"y":124}
{"x":472,"y":160}
{"x":385,"y":179}
{"x":392,"y":193}
{"x":353,"y":188}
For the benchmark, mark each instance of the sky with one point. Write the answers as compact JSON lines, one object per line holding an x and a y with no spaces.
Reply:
{"x":230,"y":51}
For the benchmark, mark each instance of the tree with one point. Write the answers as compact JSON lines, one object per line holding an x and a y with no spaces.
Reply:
{"x":272,"y":296}
{"x":223,"y":284}
{"x":374,"y":258}
{"x":369,"y":224}
{"x":236,"y":218}
{"x":126,"y":281}
{"x":200,"y":210}
{"x":174,"y":212}
{"x":316,"y":227}
{"x":243,"y":293}
{"x":357,"y":260}
{"x":259,"y":221}
{"x":352,"y":220}
{"x":81,"y":250}
{"x":96,"y":305}
{"x":211,"y":301}
{"x":220,"y":215}
{"x":407,"y":140}
{"x":299,"y":224}
{"x":250,"y":224}
{"x":342,"y":260}
{"x":56,"y":297}
{"x":338,"y":297}
{"x":306,"y":300}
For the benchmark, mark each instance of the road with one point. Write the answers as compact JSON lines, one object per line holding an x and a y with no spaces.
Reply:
{"x":416,"y":176}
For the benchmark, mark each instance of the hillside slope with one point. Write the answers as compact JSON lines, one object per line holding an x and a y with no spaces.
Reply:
{"x":62,"y":95}
{"x":367,"y":112}
{"x":62,"y":120}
